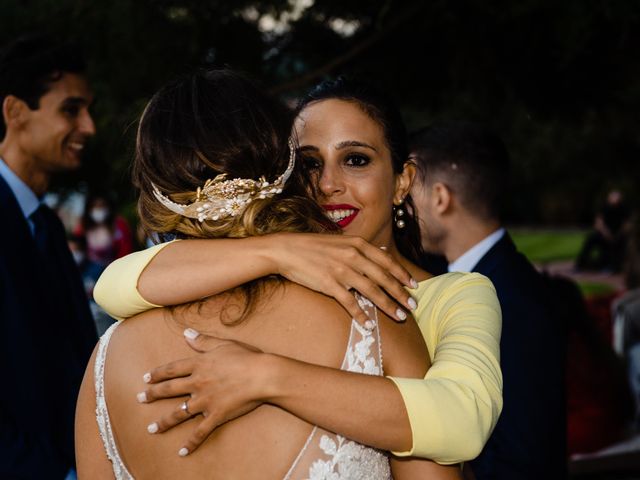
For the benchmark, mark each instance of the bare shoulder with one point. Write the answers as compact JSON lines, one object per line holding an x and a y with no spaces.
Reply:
{"x":315,"y":328}
{"x":297,"y":322}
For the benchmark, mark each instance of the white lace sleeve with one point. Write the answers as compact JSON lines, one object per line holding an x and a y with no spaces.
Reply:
{"x":102,"y":414}
{"x":327,"y":455}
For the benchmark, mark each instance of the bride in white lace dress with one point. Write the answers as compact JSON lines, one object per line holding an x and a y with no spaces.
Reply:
{"x":197,"y":128}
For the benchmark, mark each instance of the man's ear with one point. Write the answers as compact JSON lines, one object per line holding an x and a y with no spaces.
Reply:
{"x":14,"y":111}
{"x":404,"y":180}
{"x":441,"y":200}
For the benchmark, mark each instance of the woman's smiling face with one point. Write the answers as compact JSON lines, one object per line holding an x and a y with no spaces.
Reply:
{"x":347,"y":153}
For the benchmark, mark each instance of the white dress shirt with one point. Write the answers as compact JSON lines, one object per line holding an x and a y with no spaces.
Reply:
{"x":469,"y":259}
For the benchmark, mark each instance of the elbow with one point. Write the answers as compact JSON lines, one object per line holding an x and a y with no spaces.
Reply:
{"x":473,"y":448}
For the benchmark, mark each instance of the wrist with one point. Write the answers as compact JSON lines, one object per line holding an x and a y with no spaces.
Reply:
{"x":272,"y":377}
{"x":266,"y":252}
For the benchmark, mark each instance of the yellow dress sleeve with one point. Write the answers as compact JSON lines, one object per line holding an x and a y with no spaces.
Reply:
{"x":454,"y":409}
{"x":117,"y":288}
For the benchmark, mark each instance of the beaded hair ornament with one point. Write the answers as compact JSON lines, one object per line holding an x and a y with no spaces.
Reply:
{"x":221,"y":198}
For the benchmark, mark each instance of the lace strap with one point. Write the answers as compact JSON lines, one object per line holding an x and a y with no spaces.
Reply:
{"x":328,"y":455}
{"x":102,"y":414}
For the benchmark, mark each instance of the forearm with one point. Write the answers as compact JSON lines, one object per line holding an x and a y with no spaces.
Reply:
{"x":191,"y":269}
{"x":342,"y":402}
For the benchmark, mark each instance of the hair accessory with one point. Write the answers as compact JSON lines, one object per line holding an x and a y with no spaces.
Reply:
{"x":397,"y":216}
{"x":221,"y":198}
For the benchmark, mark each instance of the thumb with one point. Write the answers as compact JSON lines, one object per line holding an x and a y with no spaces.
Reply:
{"x":201,"y":342}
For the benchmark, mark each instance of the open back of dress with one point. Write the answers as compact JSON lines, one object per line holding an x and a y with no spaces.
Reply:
{"x":324,"y":454}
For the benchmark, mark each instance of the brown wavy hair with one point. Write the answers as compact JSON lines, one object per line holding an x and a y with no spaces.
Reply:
{"x":213,"y":122}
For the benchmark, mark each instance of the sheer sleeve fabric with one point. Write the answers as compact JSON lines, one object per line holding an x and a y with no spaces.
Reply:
{"x":454,"y":409}
{"x":117,"y":288}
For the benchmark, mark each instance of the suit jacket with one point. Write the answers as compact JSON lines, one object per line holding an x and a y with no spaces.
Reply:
{"x":46,"y":338}
{"x":529,"y":440}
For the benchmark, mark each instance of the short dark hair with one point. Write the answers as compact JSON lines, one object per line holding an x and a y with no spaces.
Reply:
{"x":469,"y":158}
{"x":380,"y":107}
{"x":31,"y":63}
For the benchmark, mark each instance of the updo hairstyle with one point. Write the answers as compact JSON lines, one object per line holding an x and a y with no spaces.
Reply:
{"x":213,"y":122}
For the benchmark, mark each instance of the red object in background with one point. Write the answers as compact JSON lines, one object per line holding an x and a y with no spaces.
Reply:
{"x":597,"y":393}
{"x":121,"y":242}
{"x":599,"y":308}
{"x":123,"y":238}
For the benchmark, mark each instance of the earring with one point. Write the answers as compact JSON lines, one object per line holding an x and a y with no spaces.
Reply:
{"x":397,"y":216}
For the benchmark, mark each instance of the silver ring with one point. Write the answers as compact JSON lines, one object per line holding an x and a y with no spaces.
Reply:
{"x":185,"y":408}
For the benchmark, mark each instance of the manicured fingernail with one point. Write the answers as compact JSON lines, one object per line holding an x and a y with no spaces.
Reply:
{"x":183,"y":452}
{"x":191,"y":334}
{"x":146,"y":377}
{"x":152,"y":427}
{"x":413,"y":283}
{"x":400,"y":314}
{"x":142,"y":397}
{"x":412,"y":303}
{"x":383,"y":248}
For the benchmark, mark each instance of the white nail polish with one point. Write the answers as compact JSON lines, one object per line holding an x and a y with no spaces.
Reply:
{"x":142,"y":397}
{"x":146,"y":377}
{"x":191,"y":334}
{"x":152,"y":427}
{"x":183,"y":452}
{"x":383,"y":248}
{"x":412,"y":303}
{"x":413,"y":283}
{"x":400,"y":314}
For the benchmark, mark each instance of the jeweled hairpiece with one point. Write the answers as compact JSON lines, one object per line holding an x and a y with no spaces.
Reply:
{"x":221,"y":198}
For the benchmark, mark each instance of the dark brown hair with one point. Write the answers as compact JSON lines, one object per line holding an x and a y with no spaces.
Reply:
{"x":470,"y":159}
{"x":379,"y":107}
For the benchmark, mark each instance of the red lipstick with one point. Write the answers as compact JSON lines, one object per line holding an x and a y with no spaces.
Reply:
{"x":344,"y":221}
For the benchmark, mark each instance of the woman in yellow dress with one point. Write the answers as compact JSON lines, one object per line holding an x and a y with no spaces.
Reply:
{"x":352,"y":141}
{"x":213,"y":160}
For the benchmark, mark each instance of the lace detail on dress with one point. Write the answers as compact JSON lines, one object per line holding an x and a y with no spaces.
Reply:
{"x":328,"y":456}
{"x":102,"y":414}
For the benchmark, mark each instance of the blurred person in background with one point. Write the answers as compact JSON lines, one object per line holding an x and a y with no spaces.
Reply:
{"x":626,"y":318}
{"x":459,"y":191}
{"x":599,"y":403}
{"x":90,"y":272}
{"x":108,"y":235}
{"x":604,"y":247}
{"x":46,"y":330}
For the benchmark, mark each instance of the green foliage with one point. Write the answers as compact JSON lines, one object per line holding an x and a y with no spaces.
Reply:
{"x":558,"y":80}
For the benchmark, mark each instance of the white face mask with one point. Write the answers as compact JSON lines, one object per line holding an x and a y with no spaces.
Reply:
{"x":78,"y":257}
{"x":99,"y":214}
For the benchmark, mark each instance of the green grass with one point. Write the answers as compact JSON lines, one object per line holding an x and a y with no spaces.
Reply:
{"x":544,"y":246}
{"x":590,"y":289}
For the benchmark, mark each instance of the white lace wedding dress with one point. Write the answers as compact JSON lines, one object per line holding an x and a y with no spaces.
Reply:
{"x":325,"y":455}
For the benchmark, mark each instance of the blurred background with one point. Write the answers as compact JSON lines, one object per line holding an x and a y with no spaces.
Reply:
{"x":558,"y":80}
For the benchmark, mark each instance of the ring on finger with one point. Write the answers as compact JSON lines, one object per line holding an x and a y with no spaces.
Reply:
{"x":185,"y":408}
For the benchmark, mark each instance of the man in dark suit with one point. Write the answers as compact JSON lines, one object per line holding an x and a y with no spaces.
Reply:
{"x":46,"y":330}
{"x":459,"y":191}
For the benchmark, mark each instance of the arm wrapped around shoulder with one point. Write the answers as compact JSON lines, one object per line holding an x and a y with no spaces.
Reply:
{"x":454,"y":409}
{"x":117,"y":288}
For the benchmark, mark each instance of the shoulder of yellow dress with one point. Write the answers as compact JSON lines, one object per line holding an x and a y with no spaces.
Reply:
{"x":450,"y":279}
